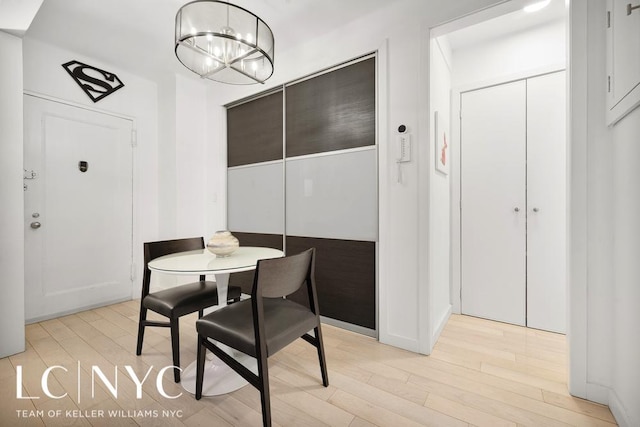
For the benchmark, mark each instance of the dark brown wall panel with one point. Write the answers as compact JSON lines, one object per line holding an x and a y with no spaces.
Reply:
{"x":259,"y":239}
{"x":254,"y":131}
{"x":345,"y":278}
{"x":245,"y":279}
{"x":333,"y":111}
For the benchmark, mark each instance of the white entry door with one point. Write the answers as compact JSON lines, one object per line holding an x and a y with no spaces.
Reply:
{"x":513,"y":177}
{"x":493,"y":195}
{"x":78,"y":208}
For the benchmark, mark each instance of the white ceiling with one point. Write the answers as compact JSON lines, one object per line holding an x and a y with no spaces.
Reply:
{"x":16,"y":15}
{"x":137,"y":35}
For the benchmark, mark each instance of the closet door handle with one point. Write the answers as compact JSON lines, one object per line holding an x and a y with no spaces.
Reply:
{"x":536,"y":209}
{"x":516,"y":209}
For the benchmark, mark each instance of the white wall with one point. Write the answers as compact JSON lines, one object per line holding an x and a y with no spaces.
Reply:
{"x":11,"y":194}
{"x":590,"y":327}
{"x":605,"y":204}
{"x":191,"y":147}
{"x":625,"y":295}
{"x":182,"y":170}
{"x":600,"y":184}
{"x":530,"y":52}
{"x":167,"y":193}
{"x":399,"y":33}
{"x":612,"y":269}
{"x":216,"y":155}
{"x":439,"y":194}
{"x":43,"y":74}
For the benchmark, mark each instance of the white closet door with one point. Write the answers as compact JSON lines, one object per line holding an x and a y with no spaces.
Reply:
{"x":546,"y":199}
{"x":493,"y":202}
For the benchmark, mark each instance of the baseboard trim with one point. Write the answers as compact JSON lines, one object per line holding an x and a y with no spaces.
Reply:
{"x":619,"y":412}
{"x":607,"y":396}
{"x":598,"y":393}
{"x":440,"y":325}
{"x":75,"y":310}
{"x":399,"y":342}
{"x":349,"y":326}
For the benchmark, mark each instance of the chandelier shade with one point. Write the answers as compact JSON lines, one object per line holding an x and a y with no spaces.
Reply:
{"x":223,"y":42}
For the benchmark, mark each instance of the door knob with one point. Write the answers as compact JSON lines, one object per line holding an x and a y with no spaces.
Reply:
{"x":35,"y":225}
{"x":516,"y":209}
{"x":536,"y":209}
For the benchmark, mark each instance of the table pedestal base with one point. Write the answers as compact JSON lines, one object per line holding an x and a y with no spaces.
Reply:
{"x":218,"y":377}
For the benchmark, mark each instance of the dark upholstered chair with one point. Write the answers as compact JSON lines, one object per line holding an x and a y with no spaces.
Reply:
{"x":266,"y":323}
{"x":176,"y":301}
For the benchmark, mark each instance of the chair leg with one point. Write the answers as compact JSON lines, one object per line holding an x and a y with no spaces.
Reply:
{"x":175,"y":348}
{"x":263,"y":381}
{"x":141,"y":325}
{"x":321,"y":358}
{"x":200,"y":313}
{"x":200,"y":358}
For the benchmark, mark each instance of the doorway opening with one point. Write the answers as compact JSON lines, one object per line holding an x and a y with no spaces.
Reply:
{"x":499,"y":47}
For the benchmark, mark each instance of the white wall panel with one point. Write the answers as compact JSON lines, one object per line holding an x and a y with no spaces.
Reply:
{"x":439,"y":196}
{"x":11,"y":194}
{"x":333,"y":195}
{"x":255,"y":198}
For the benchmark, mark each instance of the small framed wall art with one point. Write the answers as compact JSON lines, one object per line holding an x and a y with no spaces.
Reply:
{"x":441,"y":143}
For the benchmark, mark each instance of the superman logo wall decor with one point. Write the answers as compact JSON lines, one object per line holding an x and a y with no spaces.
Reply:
{"x":94,"y":82}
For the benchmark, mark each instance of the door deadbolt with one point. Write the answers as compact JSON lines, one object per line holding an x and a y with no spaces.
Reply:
{"x":83,"y":166}
{"x":35,"y":225}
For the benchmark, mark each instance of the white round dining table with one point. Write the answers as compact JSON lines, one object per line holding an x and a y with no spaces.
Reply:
{"x":218,"y":377}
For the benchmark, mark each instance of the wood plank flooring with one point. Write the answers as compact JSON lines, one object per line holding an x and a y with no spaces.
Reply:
{"x":481,"y":373}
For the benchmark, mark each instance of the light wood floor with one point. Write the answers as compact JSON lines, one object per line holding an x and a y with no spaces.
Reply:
{"x":481,"y":373}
